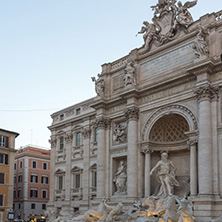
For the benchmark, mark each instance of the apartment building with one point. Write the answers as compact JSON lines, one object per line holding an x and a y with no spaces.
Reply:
{"x":31,"y":181}
{"x":7,"y":155}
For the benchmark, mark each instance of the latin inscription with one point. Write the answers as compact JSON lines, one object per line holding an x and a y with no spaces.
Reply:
{"x":167,"y":62}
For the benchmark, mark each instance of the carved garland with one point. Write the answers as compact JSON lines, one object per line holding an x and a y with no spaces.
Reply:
{"x":169,"y":108}
{"x":103,"y":122}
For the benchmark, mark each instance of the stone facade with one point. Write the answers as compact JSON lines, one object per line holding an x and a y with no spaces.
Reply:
{"x":163,"y":97}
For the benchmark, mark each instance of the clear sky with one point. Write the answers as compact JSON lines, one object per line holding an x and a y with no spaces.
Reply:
{"x":50,"y":49}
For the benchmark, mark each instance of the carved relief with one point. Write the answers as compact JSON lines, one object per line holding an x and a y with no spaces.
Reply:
{"x":119,"y":133}
{"x":99,"y":85}
{"x":68,"y":137}
{"x":132,"y":113}
{"x":86,"y":132}
{"x":200,"y":45}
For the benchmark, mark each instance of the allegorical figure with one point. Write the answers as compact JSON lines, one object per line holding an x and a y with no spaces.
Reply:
{"x":165,"y":176}
{"x":99,"y":85}
{"x":129,"y":77}
{"x":121,"y":178}
{"x":149,"y":30}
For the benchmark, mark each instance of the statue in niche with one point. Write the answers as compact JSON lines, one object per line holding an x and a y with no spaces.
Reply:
{"x":99,"y":85}
{"x":165,"y":176}
{"x":149,"y":31}
{"x":119,"y":133}
{"x":200,"y":45}
{"x":183,"y":16}
{"x":120,"y":178}
{"x":129,"y":78}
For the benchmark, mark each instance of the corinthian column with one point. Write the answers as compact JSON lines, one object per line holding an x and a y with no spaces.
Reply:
{"x":102,"y":123}
{"x":86,"y":146}
{"x":193,"y":166}
{"x":132,"y":157}
{"x":204,"y":95}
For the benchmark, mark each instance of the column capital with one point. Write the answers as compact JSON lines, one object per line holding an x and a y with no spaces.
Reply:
{"x":192,"y":141}
{"x":207,"y":92}
{"x":146,"y":150}
{"x":103,"y":122}
{"x":132,"y":113}
{"x":53,"y":141}
{"x":68,"y":137}
{"x":86,"y":132}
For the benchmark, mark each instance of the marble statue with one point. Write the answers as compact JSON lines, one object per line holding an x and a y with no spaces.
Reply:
{"x":51,"y":214}
{"x":200,"y":45}
{"x":129,"y":77}
{"x":183,"y":16}
{"x":99,"y":85}
{"x":185,"y":211}
{"x":148,"y":30}
{"x":165,"y":176}
{"x":119,"y":133}
{"x":120,"y":179}
{"x":114,"y":211}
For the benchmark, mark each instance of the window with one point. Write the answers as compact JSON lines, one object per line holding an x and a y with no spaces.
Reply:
{"x":78,"y":111}
{"x":15,"y":179}
{"x":44,"y":179}
{"x":94,"y":179}
{"x":14,"y":194}
{"x":2,"y":178}
{"x":20,"y":164}
{"x":78,"y":139}
{"x":77,"y":181}
{"x":15,"y":166}
{"x":44,"y":166}
{"x":34,"y":193}
{"x":19,"y":193}
{"x":19,"y":178}
{"x":61,"y":142}
{"x":96,"y":135}
{"x":34,"y":179}
{"x":60,"y":182}
{"x":62,"y":117}
{"x":44,"y":193}
{"x":34,"y":164}
{"x":4,"y":141}
{"x":1,"y":200}
{"x":4,"y":158}
{"x":19,"y":206}
{"x":32,"y":206}
{"x":43,"y":206}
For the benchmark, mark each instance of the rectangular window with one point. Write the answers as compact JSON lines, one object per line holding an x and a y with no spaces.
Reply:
{"x":34,"y":193}
{"x":1,"y":200}
{"x":4,"y":141}
{"x":94,"y":179}
{"x":78,"y":139}
{"x":15,"y":166}
{"x":78,"y":111}
{"x":60,"y":182}
{"x":34,"y":164}
{"x":19,"y":178}
{"x":61,"y":142}
{"x":77,"y":181}
{"x":44,"y":180}
{"x":44,"y":166}
{"x":15,"y":179}
{"x":34,"y":179}
{"x":43,"y":206}
{"x":32,"y":206}
{"x":20,"y":164}
{"x":19,"y":193}
{"x":44,"y":194}
{"x":14,"y":194}
{"x":2,"y":178}
{"x":19,"y":206}
{"x":4,"y":158}
{"x":96,"y":135}
{"x":62,"y":117}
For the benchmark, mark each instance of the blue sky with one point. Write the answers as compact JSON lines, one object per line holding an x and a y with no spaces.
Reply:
{"x":50,"y":49}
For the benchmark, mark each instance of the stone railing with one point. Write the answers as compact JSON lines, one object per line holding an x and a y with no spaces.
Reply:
{"x":60,"y":194}
{"x":119,"y":63}
{"x":76,"y":193}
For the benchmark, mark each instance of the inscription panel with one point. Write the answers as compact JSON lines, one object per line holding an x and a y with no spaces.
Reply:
{"x":167,"y":62}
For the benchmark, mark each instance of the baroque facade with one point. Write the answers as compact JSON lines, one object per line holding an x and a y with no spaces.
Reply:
{"x":164,"y":97}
